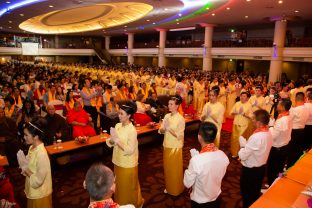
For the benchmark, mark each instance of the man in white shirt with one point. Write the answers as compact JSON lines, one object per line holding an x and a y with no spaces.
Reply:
{"x":308,"y":126}
{"x":281,"y":132}
{"x":299,"y":115}
{"x":206,"y":169}
{"x":254,"y":155}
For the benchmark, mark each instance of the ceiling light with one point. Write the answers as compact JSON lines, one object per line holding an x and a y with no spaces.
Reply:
{"x":177,"y":19}
{"x":125,"y":26}
{"x":296,"y":11}
{"x":7,"y":2}
{"x":10,"y":21}
{"x":10,"y":27}
{"x":228,"y":8}
{"x":182,"y":29}
{"x":178,"y":23}
{"x":213,"y":14}
{"x":147,"y":20}
{"x":51,"y":6}
{"x":166,"y":9}
{"x":207,"y":8}
{"x":180,"y":15}
{"x":125,"y":30}
{"x":232,"y":30}
{"x":280,"y":2}
{"x":154,"y":23}
{"x":22,"y":15}
{"x":246,"y":16}
{"x":248,"y":0}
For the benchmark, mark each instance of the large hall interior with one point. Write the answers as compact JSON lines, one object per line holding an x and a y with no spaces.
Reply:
{"x":155,"y":103}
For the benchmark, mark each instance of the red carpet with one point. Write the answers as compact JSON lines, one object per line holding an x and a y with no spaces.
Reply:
{"x":228,"y":125}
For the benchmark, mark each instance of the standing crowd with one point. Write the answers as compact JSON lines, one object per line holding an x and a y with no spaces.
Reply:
{"x":44,"y":102}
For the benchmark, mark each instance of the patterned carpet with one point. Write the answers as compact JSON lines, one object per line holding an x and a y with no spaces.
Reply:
{"x":69,"y":193}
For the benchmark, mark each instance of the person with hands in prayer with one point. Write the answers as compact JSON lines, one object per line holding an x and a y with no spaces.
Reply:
{"x":257,"y":101}
{"x":173,"y":126}
{"x":213,"y":111}
{"x":242,"y":111}
{"x":254,"y":154}
{"x":125,"y":157}
{"x":36,"y":167}
{"x":206,"y":169}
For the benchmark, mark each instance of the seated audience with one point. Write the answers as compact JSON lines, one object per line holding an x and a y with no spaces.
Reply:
{"x":81,"y":121}
{"x":57,"y":127}
{"x":112,"y":109}
{"x":140,"y":117}
{"x":6,"y":191}
{"x":10,"y":108}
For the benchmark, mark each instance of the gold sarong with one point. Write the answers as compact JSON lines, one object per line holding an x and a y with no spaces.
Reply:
{"x":173,"y":170}
{"x":45,"y":202}
{"x":128,"y":189}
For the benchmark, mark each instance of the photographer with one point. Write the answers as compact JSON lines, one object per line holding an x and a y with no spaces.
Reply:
{"x":271,"y":102}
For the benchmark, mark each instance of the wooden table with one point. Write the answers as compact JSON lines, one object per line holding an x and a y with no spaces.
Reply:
{"x":286,"y":192}
{"x":73,"y":145}
{"x":4,"y":161}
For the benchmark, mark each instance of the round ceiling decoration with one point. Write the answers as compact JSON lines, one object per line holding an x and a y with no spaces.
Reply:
{"x":86,"y":18}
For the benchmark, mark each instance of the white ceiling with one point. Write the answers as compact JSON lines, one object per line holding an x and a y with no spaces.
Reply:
{"x":165,"y":13}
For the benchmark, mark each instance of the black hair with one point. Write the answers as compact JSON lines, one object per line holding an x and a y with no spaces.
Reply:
{"x":259,"y":87}
{"x":37,"y":127}
{"x":67,"y":95}
{"x":263,"y":116}
{"x":9,"y":99}
{"x":286,"y":103}
{"x":32,"y":109}
{"x":177,"y":99}
{"x":208,"y":131}
{"x":129,"y":107}
{"x":179,"y":78}
{"x":299,"y":96}
{"x":99,"y":179}
{"x":216,"y":90}
{"x":245,"y":93}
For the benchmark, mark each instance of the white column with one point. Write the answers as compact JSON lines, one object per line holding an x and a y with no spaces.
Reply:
{"x":277,"y":50}
{"x":207,"y":58}
{"x":107,"y":42}
{"x":130,"y":47}
{"x":162,"y":45}
{"x":56,"y":41}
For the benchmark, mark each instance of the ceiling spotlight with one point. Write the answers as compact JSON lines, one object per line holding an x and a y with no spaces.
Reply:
{"x":178,"y":23}
{"x":125,"y":26}
{"x":207,"y":8}
{"x":22,"y":15}
{"x":296,"y":11}
{"x":51,"y":6}
{"x":10,"y":27}
{"x":10,"y":21}
{"x":246,"y":16}
{"x":228,"y":8}
{"x":147,"y":20}
{"x":177,"y":19}
{"x":154,"y":23}
{"x":166,"y":9}
{"x":125,"y":30}
{"x":213,"y":14}
{"x":248,"y":0}
{"x":180,"y":15}
{"x":7,"y":2}
{"x":280,"y":2}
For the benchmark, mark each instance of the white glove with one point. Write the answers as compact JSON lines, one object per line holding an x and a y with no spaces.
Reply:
{"x":271,"y":122}
{"x":153,"y":110}
{"x":22,"y":160}
{"x":242,"y":141}
{"x":194,"y":152}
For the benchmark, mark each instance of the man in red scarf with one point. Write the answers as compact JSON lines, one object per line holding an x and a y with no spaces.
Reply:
{"x":100,"y":183}
{"x":81,"y":121}
{"x":206,"y":169}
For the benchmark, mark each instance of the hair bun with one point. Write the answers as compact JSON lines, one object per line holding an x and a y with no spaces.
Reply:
{"x":129,"y":107}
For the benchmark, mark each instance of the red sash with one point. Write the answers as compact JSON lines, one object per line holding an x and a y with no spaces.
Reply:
{"x":209,"y":148}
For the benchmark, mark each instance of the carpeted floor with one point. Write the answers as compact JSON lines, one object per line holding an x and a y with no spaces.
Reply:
{"x":69,"y":193}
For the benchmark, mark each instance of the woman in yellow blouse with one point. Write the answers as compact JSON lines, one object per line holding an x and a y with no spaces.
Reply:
{"x":242,"y":112}
{"x":125,"y":158}
{"x":173,"y":127}
{"x":36,"y":167}
{"x":213,"y":111}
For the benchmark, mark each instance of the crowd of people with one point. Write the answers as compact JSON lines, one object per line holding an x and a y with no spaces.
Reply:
{"x":44,"y":102}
